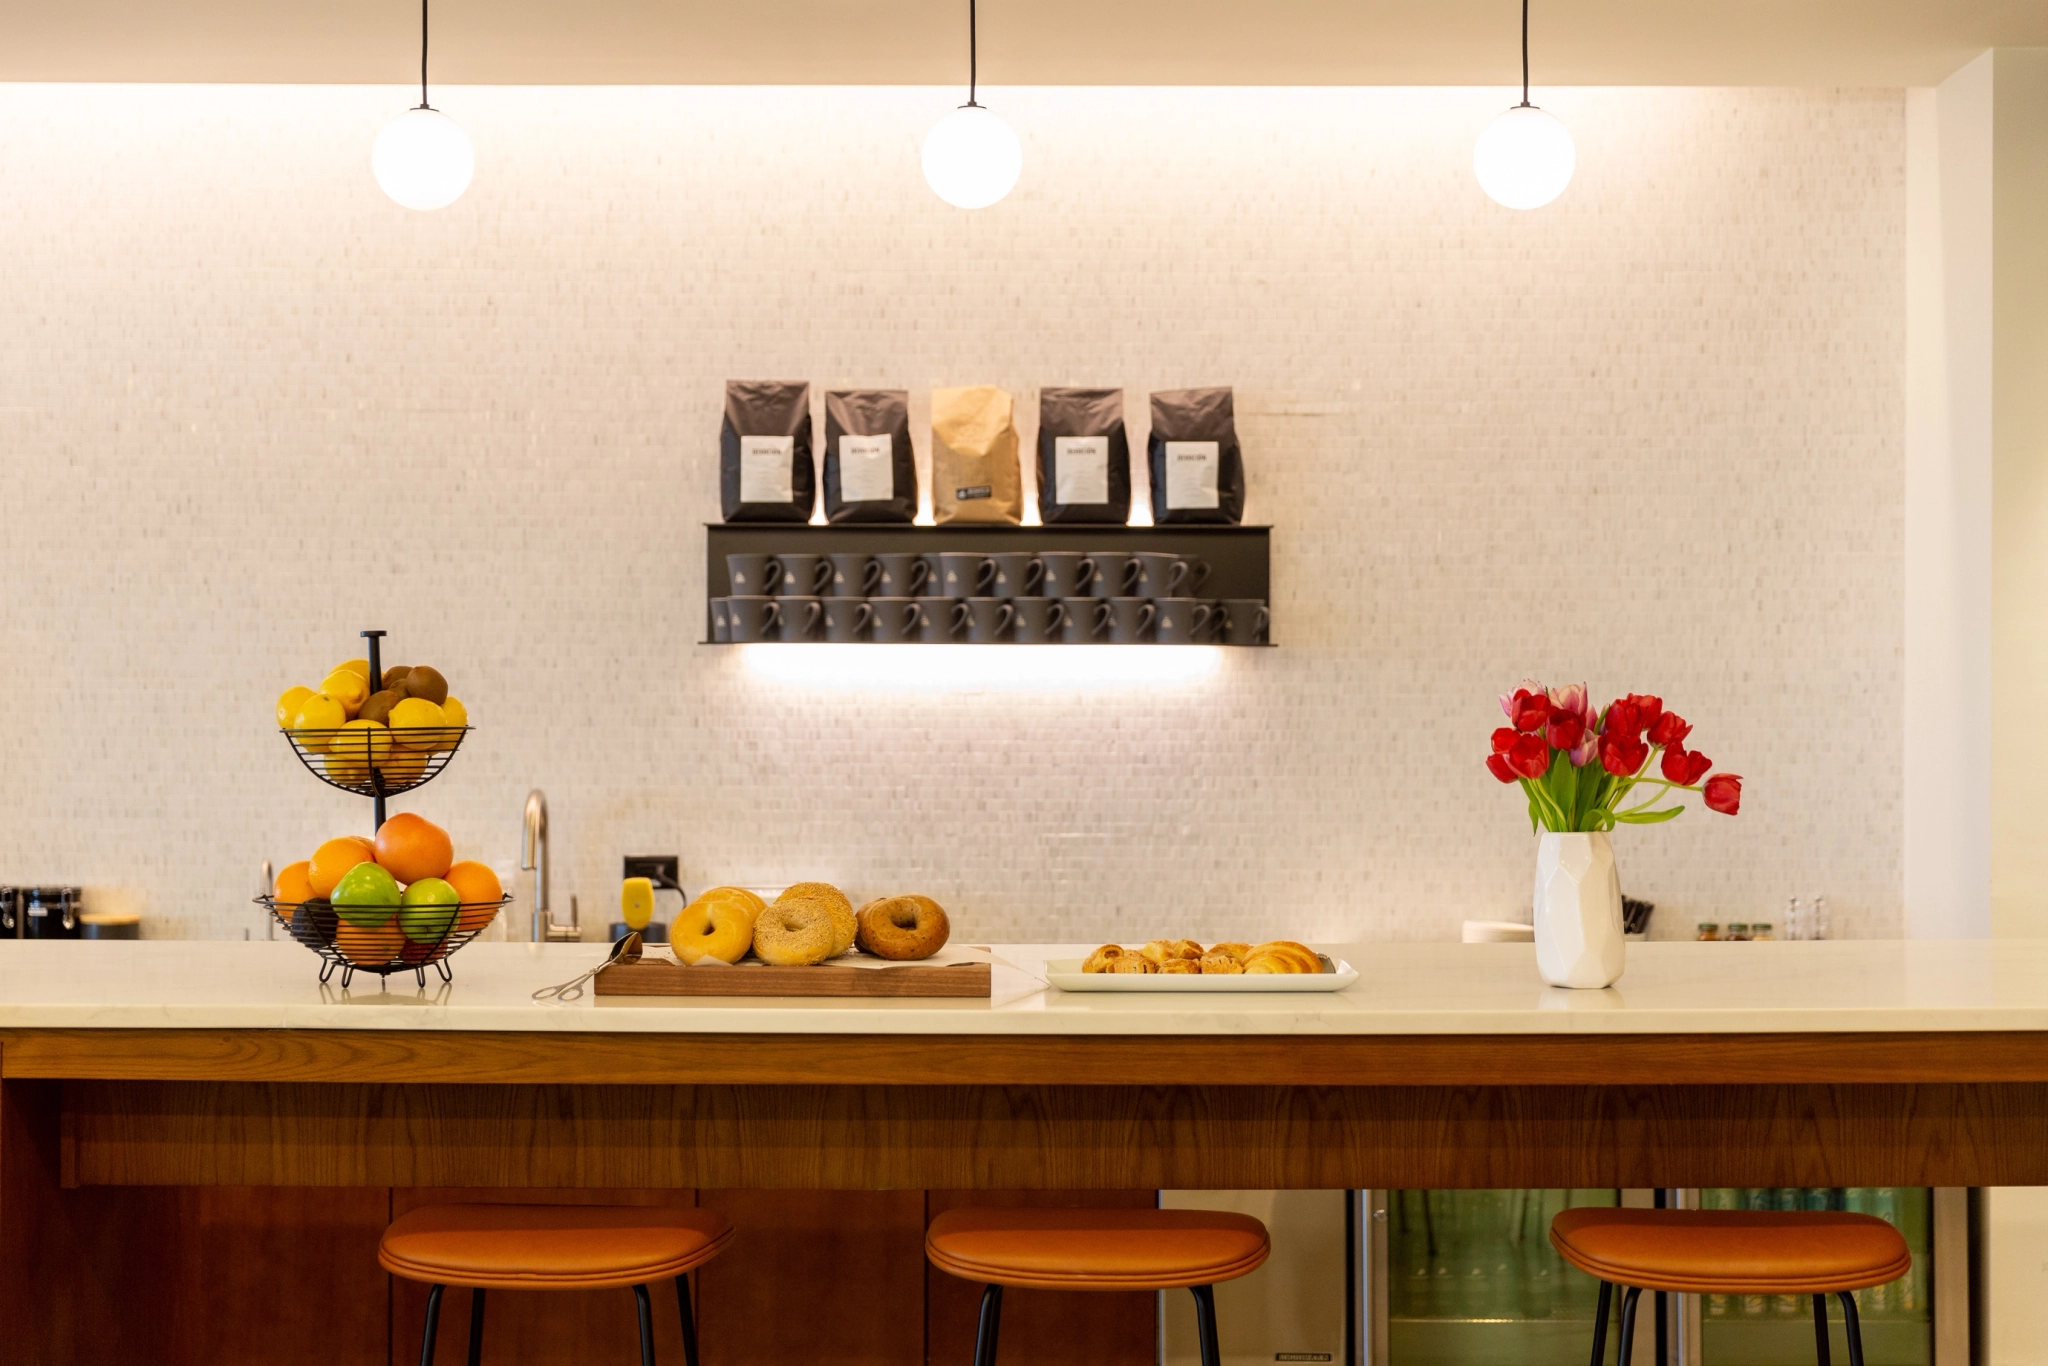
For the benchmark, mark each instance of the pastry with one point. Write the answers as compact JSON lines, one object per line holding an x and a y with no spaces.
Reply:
{"x":833,"y":902}
{"x":1282,"y":955}
{"x":712,"y":926}
{"x":1132,"y":962}
{"x":795,"y":933}
{"x":1159,"y":950}
{"x":1180,"y":965}
{"x":1100,"y":960}
{"x":903,"y":928}
{"x":1235,"y":948}
{"x":1219,"y":963}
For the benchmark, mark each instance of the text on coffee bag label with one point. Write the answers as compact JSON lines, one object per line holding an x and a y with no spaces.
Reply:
{"x":1191,"y":468}
{"x":866,"y":469}
{"x":1081,"y":469}
{"x":766,"y":469}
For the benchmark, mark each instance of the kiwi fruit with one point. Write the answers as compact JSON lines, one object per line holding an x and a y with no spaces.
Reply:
{"x":394,"y":673}
{"x":379,"y":706}
{"x":426,"y":684}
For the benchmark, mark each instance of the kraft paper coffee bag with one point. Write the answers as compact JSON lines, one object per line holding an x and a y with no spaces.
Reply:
{"x":1196,"y":465}
{"x":870,"y":472}
{"x":1084,"y":457}
{"x":976,"y":475}
{"x":764,"y":452}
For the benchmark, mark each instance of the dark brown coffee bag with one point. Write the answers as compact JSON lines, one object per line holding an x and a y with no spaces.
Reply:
{"x":870,"y":472}
{"x":1084,"y":457}
{"x":764,"y":452}
{"x":976,"y":475}
{"x":1197,"y":468}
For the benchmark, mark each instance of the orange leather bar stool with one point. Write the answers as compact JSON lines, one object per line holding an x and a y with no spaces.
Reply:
{"x":552,"y":1247}
{"x":1731,"y":1252}
{"x":1096,"y":1249}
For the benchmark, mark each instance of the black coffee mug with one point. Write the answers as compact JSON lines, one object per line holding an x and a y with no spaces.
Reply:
{"x":1087,"y":621}
{"x":964,"y":576}
{"x":1130,"y":620}
{"x":1246,"y":621}
{"x":752,"y":575}
{"x":896,"y":619}
{"x":1116,"y":574}
{"x":721,"y":626}
{"x":1181,"y":621}
{"x":940,"y":620}
{"x":1168,"y":576}
{"x":752,"y":617}
{"x":853,"y":576}
{"x":799,"y":618}
{"x":1038,"y":620}
{"x":988,"y":620}
{"x":1018,"y":575}
{"x":901,"y":576}
{"x":847,"y":619}
{"x":804,"y":576}
{"x":1067,"y":573}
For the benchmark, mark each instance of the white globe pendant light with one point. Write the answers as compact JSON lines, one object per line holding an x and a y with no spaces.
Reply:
{"x":1525,"y":158}
{"x":971,"y":157}
{"x":423,"y":159}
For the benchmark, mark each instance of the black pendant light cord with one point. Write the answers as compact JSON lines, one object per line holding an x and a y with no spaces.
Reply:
{"x":971,"y":54}
{"x":423,"y":49}
{"x":1525,"y":57}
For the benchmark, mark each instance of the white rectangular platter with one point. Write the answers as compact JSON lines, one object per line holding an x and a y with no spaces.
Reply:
{"x":1066,"y":974}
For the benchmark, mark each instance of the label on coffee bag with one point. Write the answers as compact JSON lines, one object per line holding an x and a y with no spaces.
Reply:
{"x":1191,"y":468}
{"x":969,"y":494}
{"x":767,"y":465}
{"x":866,"y":469}
{"x":1081,"y":464}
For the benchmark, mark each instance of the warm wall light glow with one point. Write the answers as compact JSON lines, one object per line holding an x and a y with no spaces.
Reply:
{"x":898,"y":668}
{"x":423,"y":159}
{"x":1525,"y":158}
{"x":972,"y":158}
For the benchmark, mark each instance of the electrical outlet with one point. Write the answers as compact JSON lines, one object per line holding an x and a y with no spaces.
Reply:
{"x":664,"y":870}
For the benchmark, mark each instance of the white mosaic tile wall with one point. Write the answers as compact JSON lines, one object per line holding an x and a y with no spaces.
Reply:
{"x":1651,"y":437}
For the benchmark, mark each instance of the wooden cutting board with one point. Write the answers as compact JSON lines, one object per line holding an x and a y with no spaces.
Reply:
{"x":662,"y":978}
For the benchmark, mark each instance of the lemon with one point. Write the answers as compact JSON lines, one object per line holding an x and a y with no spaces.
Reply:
{"x":347,"y":687}
{"x":454,"y":713}
{"x":318,"y":713}
{"x":359,"y":667}
{"x":288,"y":703}
{"x":351,"y":755}
{"x":416,"y":713}
{"x":403,"y":768}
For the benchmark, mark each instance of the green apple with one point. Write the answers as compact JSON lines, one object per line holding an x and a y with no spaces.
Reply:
{"x":366,"y":896}
{"x":428,"y":910}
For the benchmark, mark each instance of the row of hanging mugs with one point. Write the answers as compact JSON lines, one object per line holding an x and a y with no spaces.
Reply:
{"x":1050,"y":597}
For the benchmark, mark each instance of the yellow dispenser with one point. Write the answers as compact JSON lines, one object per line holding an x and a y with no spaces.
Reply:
{"x":636,"y":902}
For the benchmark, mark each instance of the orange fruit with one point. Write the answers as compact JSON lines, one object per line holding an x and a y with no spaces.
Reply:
{"x":411,"y":847}
{"x":369,"y":945}
{"x":294,"y":884}
{"x":334,"y":858}
{"x":480,"y":891}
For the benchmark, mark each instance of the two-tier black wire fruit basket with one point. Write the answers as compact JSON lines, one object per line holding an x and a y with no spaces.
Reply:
{"x":378,"y":763}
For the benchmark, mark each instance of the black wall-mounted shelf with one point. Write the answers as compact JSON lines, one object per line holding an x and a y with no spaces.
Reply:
{"x":1239,"y":557}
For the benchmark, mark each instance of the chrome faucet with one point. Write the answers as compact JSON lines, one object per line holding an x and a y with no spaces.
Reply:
{"x":533,"y":858}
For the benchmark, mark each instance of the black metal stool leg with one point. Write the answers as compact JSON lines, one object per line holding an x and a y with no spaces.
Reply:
{"x":646,"y":1325}
{"x":689,"y":1322}
{"x":476,"y":1327}
{"x":1600,"y":1323}
{"x":1855,"y":1327}
{"x":1205,"y":1322}
{"x":433,"y":1325}
{"x":991,"y":1322}
{"x":1820,"y":1329}
{"x":1628,"y":1324}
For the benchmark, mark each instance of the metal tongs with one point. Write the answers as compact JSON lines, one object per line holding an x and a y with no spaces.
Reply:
{"x":627,"y":950}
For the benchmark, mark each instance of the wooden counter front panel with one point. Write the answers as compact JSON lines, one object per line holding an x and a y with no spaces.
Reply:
{"x":1100,"y":1138}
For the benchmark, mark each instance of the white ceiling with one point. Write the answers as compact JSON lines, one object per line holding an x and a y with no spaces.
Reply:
{"x":1024,"y":42}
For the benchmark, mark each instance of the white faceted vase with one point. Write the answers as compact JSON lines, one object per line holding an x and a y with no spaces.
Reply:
{"x":1578,"y":911}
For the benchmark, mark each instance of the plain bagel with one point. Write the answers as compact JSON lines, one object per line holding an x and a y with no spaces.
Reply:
{"x":794,"y":934}
{"x":903,"y":928}
{"x":830,"y":900}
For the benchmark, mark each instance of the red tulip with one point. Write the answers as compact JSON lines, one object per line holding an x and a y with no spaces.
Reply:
{"x":1621,"y":753}
{"x":1498,"y":767}
{"x":1669,"y":729}
{"x":1532,"y":711}
{"x":1649,"y":710}
{"x":1685,"y":768}
{"x":1620,"y":719}
{"x":1724,"y":793}
{"x":1529,"y":757}
{"x":1503,"y":738}
{"x":1566,"y":729}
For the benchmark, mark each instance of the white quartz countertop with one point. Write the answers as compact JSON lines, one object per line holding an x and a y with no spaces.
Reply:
{"x":1403,"y":988}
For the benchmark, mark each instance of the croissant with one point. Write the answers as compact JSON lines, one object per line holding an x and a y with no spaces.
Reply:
{"x":1100,"y":960}
{"x":1234,"y":948}
{"x":1283,"y":955}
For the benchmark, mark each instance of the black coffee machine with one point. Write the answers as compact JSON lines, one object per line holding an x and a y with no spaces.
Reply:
{"x":40,"y":912}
